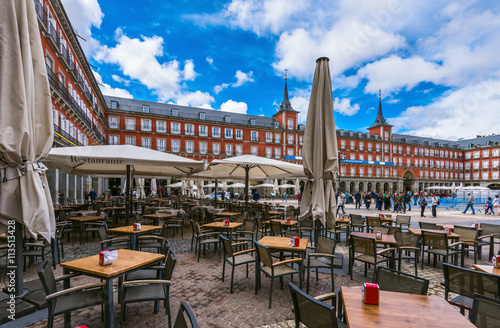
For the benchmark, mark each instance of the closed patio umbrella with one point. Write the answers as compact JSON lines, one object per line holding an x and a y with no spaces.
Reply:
{"x":26,"y":130}
{"x":275,"y":186}
{"x":201,"y":192}
{"x":297,"y":186}
{"x":320,"y":155}
{"x":154,"y":187}
{"x":184,"y":187}
{"x":140,"y":193}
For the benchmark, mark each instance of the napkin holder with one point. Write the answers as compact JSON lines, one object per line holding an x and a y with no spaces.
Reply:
{"x":370,"y":293}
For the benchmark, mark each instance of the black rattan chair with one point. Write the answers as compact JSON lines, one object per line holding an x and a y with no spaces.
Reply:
{"x":485,"y":312}
{"x":366,"y":250}
{"x":181,"y":321}
{"x":235,"y":258}
{"x":323,"y":257}
{"x":396,"y":281}
{"x":438,"y":245}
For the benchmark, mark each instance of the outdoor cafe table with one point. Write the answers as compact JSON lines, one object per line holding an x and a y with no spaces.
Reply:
{"x":486,"y":268}
{"x":134,"y":234}
{"x":397,"y":310}
{"x":221,"y":226}
{"x":158,"y":216}
{"x":127,"y":262}
{"x":283,"y":223}
{"x":386,"y":239}
{"x":82,"y":220}
{"x":418,"y":232}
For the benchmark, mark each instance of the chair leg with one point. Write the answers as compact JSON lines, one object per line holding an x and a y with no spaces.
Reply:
{"x":308,"y":275}
{"x":223,"y":269}
{"x":271,"y":292}
{"x":122,"y":314}
{"x":232,"y":277}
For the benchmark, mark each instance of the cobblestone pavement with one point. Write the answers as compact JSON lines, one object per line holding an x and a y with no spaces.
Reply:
{"x":200,"y":285}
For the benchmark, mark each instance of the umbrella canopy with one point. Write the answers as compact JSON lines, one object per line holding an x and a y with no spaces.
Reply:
{"x":275,"y":186}
{"x":265,"y":185}
{"x":212,"y":185}
{"x":475,"y":188}
{"x":453,"y":188}
{"x":224,"y":186}
{"x":286,"y":186}
{"x":140,"y":193}
{"x":320,"y":155}
{"x":154,"y":187}
{"x":175,"y":185}
{"x":297,"y":186}
{"x":111,"y":160}
{"x":236,"y":185}
{"x":183,"y":187}
{"x":124,"y":188}
{"x":461,"y":187}
{"x":26,"y":127}
{"x":201,"y":192}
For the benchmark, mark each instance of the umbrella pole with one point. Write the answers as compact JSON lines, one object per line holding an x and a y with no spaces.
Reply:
{"x":215,"y":198}
{"x":19,"y":288}
{"x":128,"y":199}
{"x":247,"y":169}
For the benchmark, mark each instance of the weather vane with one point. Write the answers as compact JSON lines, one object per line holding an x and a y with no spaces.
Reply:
{"x":286,"y":71}
{"x":379,"y":93}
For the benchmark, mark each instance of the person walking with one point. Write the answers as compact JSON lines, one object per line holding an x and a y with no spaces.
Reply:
{"x":284,"y":197}
{"x":496,"y":203}
{"x":93,"y":195}
{"x":470,"y":204}
{"x":434,"y":204}
{"x":341,"y":203}
{"x":256,"y":196}
{"x":408,"y":200}
{"x":368,"y":200}
{"x":357,"y":198}
{"x":489,"y":206}
{"x":387,"y":202}
{"x":423,"y":203}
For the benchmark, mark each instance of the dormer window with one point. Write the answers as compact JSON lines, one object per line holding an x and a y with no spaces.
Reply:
{"x":201,"y":116}
{"x":114,"y":104}
{"x":145,"y":108}
{"x":276,"y":125}
{"x":175,"y":112}
{"x":252,"y":121}
{"x":227,"y":119}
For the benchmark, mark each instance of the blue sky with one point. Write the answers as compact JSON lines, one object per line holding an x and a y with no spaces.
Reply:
{"x":437,"y":62}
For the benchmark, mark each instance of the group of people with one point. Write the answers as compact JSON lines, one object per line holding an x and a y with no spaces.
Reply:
{"x":489,"y":206}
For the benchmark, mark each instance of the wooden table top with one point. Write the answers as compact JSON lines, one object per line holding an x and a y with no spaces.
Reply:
{"x":127,"y":260}
{"x":486,"y":268}
{"x":283,"y":243}
{"x":340,"y":220}
{"x":130,"y":229}
{"x":452,"y":226}
{"x":283,"y":223}
{"x":227,"y":214}
{"x":276,"y":213}
{"x":386,"y":239}
{"x":158,"y":215}
{"x":418,"y":232}
{"x":84,"y":218}
{"x":221,"y":225}
{"x":397,"y":310}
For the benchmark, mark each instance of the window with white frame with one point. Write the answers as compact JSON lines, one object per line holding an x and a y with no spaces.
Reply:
{"x":467,"y":176}
{"x":145,"y":108}
{"x":426,"y":151}
{"x":370,"y":158}
{"x":252,"y":121}
{"x":361,"y":171}
{"x":175,"y":128}
{"x":401,"y":161}
{"x":494,"y":174}
{"x":215,"y":132}
{"x":85,"y":141}
{"x":203,"y":130}
{"x":300,"y":152}
{"x":386,"y":135}
{"x":276,"y":124}
{"x":476,"y":175}
{"x":342,"y":170}
{"x":130,"y":140}
{"x":55,"y":116}
{"x":291,"y":139}
{"x":441,"y":153}
{"x":446,"y":154}
{"x":129,"y":123}
{"x":238,"y":149}
{"x":494,"y":164}
{"x":386,"y":173}
{"x":370,"y":146}
{"x":277,"y":153}
{"x":227,"y":119}
{"x":353,"y":171}
{"x":290,"y":124}
{"x":161,"y":144}
{"x":378,"y":171}
{"x":426,"y":163}
{"x":486,"y":164}
{"x":229,"y":150}
{"x":361,"y":157}
{"x":114,"y":122}
{"x":254,"y":150}
{"x":161,"y":126}
{"x":269,"y":152}
{"x":386,"y":158}
{"x":301,"y":140}
{"x":114,"y":104}
{"x":189,"y":129}
{"x":269,"y":137}
{"x":352,"y":156}
{"x":432,"y":174}
{"x":146,"y":142}
{"x":342,"y":144}
{"x":475,"y":165}
{"x":290,"y":152}
{"x":228,"y":133}
{"x":370,"y":171}
{"x":203,"y":147}
{"x":201,"y":116}
{"x":145,"y":124}
{"x":175,"y":112}
{"x":378,"y":158}
{"x":361,"y":145}
{"x":254,"y":136}
{"x":176,"y":146}
{"x":496,"y":152}
{"x":394,"y":149}
{"x":386,"y":148}
{"x":420,"y":162}
{"x":277,"y":138}
{"x":467,"y":166}
{"x":461,"y":166}
{"x":468,"y":155}
{"x":353,"y":145}
{"x":216,"y":148}
{"x":377,"y":147}
{"x":477,"y":154}
{"x":486,"y":153}
{"x":239,"y":134}
{"x":400,"y":149}
{"x":114,"y":139}
{"x":189,"y":146}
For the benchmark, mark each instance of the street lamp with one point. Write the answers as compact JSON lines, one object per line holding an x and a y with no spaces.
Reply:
{"x":342,"y":159}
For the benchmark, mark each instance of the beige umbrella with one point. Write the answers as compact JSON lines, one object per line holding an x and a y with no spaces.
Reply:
{"x":297,"y":186}
{"x":140,"y":193}
{"x":275,"y":186}
{"x":319,"y":155}
{"x":184,"y":187}
{"x":26,"y":130}
{"x":201,"y":192}
{"x":154,"y":187}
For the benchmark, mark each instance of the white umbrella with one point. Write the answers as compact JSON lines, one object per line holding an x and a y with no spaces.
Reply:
{"x":184,"y":187}
{"x":319,"y":155}
{"x":286,"y":186}
{"x":297,"y":186}
{"x":154,"y":187}
{"x":461,"y":187}
{"x":265,"y":185}
{"x":124,"y":188}
{"x":140,"y":193}
{"x":224,"y":186}
{"x":26,"y":129}
{"x":175,"y":185}
{"x":275,"y":186}
{"x":475,"y":188}
{"x":201,"y":192}
{"x":236,"y":185}
{"x":453,"y":188}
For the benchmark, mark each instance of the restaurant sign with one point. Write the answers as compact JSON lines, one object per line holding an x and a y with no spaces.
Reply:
{"x":90,"y":160}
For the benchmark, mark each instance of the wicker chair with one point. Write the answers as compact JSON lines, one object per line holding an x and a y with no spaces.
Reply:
{"x":204,"y":238}
{"x":406,"y":244}
{"x":248,"y":233}
{"x":112,"y":243}
{"x":181,"y":321}
{"x":336,"y":230}
{"x":274,"y":270}
{"x":429,"y":226}
{"x":465,"y":283}
{"x":403,"y":221}
{"x":150,"y":289}
{"x":235,"y":258}
{"x":323,"y":257}
{"x":485,"y":311}
{"x":372,"y":221}
{"x":153,"y":241}
{"x":357,"y":222}
{"x":366,"y":248}
{"x":491,"y":232}
{"x":469,"y":238}
{"x":311,"y":311}
{"x":437,"y":244}
{"x":276,"y":228}
{"x":396,"y":281}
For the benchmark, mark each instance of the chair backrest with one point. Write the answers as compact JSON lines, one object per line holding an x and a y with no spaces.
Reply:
{"x":264,"y":254}
{"x":325,"y":245}
{"x":227,"y":245}
{"x":468,"y":282}
{"x":403,"y":219}
{"x":406,"y":239}
{"x":395,"y":281}
{"x":260,"y":225}
{"x":249,"y":225}
{"x":490,"y":229}
{"x":310,"y":311}
{"x":364,"y":245}
{"x":385,"y":230}
{"x":429,"y":226}
{"x":276,"y":227}
{"x":181,"y":321}
{"x":373,"y":221}
{"x":466,"y":233}
{"x":103,"y":234}
{"x":393,"y":230}
{"x":435,"y":240}
{"x":165,"y":247}
{"x":47,"y":278}
{"x":306,"y":223}
{"x":266,"y":215}
{"x":357,"y":219}
{"x":485,"y":312}
{"x":60,"y":230}
{"x":170,"y":261}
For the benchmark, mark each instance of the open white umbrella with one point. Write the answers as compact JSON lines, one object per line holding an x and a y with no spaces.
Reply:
{"x":236,"y":185}
{"x":184,"y":187}
{"x":461,"y":187}
{"x":124,"y":188}
{"x":265,"y":185}
{"x":26,"y":129}
{"x":175,"y":185}
{"x":154,"y":187}
{"x":286,"y":186}
{"x":224,"y":186}
{"x":453,"y":188}
{"x":320,"y":155}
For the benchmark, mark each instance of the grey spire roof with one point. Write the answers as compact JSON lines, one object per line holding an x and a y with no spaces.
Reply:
{"x":285,"y":104}
{"x":380,"y":120}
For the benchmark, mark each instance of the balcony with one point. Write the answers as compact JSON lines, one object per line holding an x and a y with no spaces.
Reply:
{"x":66,"y":137}
{"x":63,"y":55}
{"x":51,"y":36}
{"x":40,"y":13}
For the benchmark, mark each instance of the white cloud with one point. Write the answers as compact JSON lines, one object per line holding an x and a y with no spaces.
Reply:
{"x":241,"y":78}
{"x":220,"y":87}
{"x":344,"y":107}
{"x":300,"y":102}
{"x":120,"y":79}
{"x":209,"y":60}
{"x":83,"y":15}
{"x":470,"y":110}
{"x":137,"y":59}
{"x":107,"y":90}
{"x":234,"y":107}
